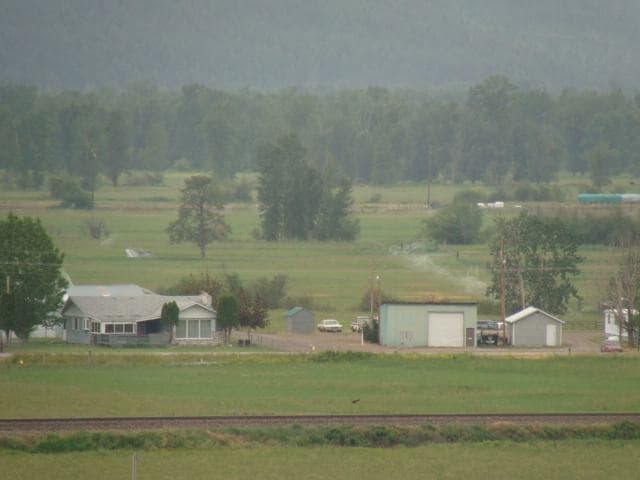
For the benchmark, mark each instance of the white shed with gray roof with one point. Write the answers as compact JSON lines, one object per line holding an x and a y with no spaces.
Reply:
{"x":533,"y":327}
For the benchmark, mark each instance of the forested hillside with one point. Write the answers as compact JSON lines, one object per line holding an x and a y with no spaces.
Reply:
{"x":338,"y":43}
{"x":498,"y":132}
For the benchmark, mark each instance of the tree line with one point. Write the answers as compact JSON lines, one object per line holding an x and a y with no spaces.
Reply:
{"x":494,"y":133}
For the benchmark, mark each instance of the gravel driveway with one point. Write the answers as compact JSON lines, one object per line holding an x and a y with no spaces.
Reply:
{"x":573,"y":343}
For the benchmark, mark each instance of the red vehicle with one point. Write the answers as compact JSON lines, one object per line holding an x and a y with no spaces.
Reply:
{"x":611,"y":346}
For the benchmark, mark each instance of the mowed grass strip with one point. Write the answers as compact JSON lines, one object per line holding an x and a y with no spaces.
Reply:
{"x":259,"y":385}
{"x":497,"y":460}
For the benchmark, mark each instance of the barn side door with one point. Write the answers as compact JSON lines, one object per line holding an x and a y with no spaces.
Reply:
{"x":471,"y":337}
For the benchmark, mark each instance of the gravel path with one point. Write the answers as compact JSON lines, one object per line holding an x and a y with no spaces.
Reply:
{"x":574,"y":343}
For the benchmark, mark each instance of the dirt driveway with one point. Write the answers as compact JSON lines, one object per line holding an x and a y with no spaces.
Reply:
{"x":573,"y":343}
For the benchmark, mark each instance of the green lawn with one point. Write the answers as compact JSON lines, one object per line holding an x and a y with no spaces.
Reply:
{"x":497,"y":460}
{"x":258,"y":384}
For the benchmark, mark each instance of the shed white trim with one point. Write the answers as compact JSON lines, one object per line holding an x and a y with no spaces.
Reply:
{"x":529,"y":311}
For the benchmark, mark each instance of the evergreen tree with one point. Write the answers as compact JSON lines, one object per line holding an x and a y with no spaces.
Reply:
{"x":169,"y":317}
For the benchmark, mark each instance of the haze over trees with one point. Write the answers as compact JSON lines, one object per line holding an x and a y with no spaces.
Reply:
{"x":84,"y":44}
{"x":498,"y":132}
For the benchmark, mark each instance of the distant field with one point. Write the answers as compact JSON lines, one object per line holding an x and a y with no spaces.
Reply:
{"x":334,"y":274}
{"x":316,"y":384}
{"x":497,"y":460}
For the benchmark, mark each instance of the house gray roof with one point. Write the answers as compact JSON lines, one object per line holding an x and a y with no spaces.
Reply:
{"x":138,"y":308}
{"x":118,"y":290}
{"x":529,"y":311}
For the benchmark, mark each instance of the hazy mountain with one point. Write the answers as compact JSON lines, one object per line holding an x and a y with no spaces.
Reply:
{"x":275,"y":43}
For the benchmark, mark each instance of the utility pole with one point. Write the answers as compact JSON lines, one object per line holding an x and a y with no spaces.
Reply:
{"x":502,"y":299}
{"x":371,"y":293}
{"x":428,"y":178}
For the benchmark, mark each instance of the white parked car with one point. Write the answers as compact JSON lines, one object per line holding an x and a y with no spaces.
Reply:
{"x":329,"y":325}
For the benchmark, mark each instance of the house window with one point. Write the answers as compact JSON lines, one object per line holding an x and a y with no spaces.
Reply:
{"x":205,"y":328}
{"x":193,"y":328}
{"x":181,"y":329}
{"x":119,"y":328}
{"x":95,"y":327}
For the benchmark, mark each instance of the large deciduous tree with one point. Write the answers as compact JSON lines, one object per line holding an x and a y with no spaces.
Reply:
{"x":200,"y":220}
{"x":30,"y":269}
{"x":535,"y":258}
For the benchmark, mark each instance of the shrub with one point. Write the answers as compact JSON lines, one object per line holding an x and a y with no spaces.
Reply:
{"x":143,"y":179}
{"x":74,"y":196}
{"x":271,"y":291}
{"x":71,"y":192}
{"x":375,"y":198}
{"x":458,"y":223}
{"x":469,"y":196}
{"x":371,"y":333}
{"x":335,"y":356}
{"x":96,"y":228}
{"x":625,"y":431}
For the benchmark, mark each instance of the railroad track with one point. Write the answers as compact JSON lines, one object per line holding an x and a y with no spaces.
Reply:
{"x":149,"y":423}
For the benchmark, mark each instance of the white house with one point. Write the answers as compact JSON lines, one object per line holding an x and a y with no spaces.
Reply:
{"x":122,"y":312}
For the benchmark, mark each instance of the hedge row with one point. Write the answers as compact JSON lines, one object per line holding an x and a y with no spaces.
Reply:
{"x":344,"y":436}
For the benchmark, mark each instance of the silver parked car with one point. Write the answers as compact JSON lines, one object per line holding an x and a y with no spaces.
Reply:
{"x":329,"y":325}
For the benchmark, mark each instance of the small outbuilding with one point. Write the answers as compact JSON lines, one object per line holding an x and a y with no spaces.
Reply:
{"x":533,"y":327}
{"x":428,"y":324}
{"x":299,"y":320}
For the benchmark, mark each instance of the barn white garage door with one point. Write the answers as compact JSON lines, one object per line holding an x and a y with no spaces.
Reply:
{"x":445,"y":330}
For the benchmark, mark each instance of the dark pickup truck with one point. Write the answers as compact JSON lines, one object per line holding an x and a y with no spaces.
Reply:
{"x":490,"y":332}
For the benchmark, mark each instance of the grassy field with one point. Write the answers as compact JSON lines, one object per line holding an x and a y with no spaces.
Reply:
{"x":318,"y":384}
{"x":497,"y":460}
{"x":335,"y":275}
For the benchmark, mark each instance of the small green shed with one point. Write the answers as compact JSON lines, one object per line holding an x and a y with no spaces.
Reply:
{"x":428,"y":324}
{"x":299,"y":320}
